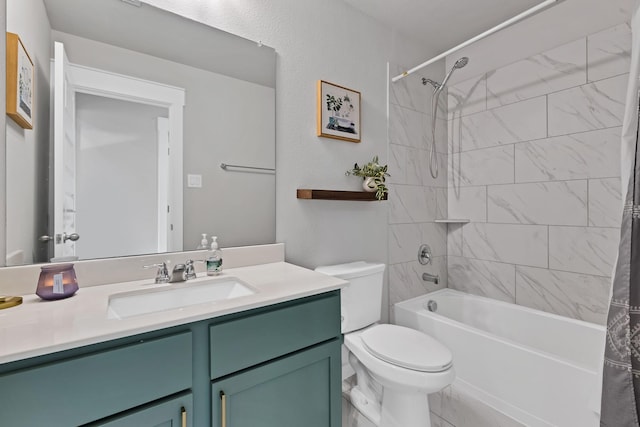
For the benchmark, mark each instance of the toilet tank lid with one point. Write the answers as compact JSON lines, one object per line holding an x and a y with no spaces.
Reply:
{"x":351,"y":270}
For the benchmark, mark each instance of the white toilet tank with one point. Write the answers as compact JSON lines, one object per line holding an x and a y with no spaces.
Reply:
{"x":361,"y":301}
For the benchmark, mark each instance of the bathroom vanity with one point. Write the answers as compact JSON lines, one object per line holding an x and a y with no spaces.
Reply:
{"x":267,"y":359}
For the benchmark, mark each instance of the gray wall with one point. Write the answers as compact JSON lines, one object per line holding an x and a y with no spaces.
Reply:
{"x":27,"y":150}
{"x":536,"y":168}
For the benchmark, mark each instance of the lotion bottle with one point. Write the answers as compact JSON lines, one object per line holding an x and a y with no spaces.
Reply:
{"x":214,"y":258}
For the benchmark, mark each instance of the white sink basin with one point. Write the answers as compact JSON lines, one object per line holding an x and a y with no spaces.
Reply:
{"x":176,"y":295}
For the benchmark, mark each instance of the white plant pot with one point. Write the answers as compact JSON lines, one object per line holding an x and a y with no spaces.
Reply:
{"x":369,"y":184}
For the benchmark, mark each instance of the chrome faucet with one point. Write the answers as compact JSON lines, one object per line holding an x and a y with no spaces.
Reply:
{"x":162,"y":275}
{"x":430,"y":278}
{"x":178,"y":274}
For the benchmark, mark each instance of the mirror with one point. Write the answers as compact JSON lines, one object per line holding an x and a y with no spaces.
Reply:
{"x":138,"y":120}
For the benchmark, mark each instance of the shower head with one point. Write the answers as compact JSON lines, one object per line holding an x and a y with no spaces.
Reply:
{"x":458,"y":64}
{"x":439,"y":86}
{"x":461,"y":62}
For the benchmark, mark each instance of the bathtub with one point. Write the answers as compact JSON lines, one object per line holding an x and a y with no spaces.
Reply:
{"x":538,"y":368}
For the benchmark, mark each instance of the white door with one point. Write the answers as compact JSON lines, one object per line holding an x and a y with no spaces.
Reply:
{"x":64,"y":155}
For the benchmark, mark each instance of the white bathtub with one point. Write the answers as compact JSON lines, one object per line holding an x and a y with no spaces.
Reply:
{"x":537,"y":368}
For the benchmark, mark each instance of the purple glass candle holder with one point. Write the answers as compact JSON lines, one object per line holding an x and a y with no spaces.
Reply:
{"x":57,"y":282}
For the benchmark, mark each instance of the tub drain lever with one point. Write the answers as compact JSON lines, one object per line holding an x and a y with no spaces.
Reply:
{"x":431,"y":305}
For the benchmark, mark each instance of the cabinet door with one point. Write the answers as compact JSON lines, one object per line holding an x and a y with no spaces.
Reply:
{"x":78,"y":390}
{"x":298,"y":390}
{"x":175,"y":412}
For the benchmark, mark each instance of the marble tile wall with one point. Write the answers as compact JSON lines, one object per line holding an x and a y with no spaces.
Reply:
{"x":416,"y":199}
{"x":534,"y":155}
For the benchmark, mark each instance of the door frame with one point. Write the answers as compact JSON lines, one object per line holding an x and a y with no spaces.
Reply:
{"x":93,"y":81}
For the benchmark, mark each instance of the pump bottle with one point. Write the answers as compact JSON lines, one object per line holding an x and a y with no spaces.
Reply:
{"x":214,"y":258}
{"x":204,"y":243}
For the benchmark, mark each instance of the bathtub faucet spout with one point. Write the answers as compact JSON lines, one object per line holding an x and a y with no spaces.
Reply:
{"x":430,"y":278}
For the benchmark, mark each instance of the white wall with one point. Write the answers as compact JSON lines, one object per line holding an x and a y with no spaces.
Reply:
{"x":27,"y":150}
{"x":315,"y":40}
{"x":117,"y":169}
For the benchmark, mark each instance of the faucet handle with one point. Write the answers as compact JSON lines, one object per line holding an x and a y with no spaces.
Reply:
{"x":162,"y":275}
{"x":190,"y":270}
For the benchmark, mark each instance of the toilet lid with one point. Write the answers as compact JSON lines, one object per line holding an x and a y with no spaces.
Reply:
{"x":407,"y":348}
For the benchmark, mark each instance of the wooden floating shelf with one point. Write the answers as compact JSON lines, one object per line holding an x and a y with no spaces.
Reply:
{"x":310,"y":194}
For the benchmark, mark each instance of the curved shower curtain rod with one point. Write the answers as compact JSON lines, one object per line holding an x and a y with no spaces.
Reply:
{"x":505,"y":24}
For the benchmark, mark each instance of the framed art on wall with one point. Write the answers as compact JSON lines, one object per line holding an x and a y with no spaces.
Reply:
{"x":338,"y":112}
{"x":20,"y":83}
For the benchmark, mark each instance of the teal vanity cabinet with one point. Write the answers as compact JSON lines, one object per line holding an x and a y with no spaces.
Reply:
{"x":277,"y":365}
{"x":298,"y":383}
{"x":297,"y":390}
{"x":80,"y":388}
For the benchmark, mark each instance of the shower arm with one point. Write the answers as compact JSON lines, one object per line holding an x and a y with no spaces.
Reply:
{"x":544,"y":5}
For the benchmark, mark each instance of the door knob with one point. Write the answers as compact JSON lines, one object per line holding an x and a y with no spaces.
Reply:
{"x":45,"y":238}
{"x":73,"y":237}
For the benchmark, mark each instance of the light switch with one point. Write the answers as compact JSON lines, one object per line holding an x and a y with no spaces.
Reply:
{"x":194,"y":181}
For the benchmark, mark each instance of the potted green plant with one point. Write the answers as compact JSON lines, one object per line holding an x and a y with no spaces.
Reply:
{"x":374,"y":175}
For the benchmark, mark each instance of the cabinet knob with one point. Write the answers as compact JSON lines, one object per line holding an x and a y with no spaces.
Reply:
{"x":183,"y":417}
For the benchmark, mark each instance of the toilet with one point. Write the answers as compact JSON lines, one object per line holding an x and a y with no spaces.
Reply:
{"x":408,"y":364}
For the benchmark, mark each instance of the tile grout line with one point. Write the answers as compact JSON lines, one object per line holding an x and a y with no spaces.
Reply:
{"x":548,"y":247}
{"x":553,"y":92}
{"x":547,"y":116}
{"x":486,"y":203}
{"x":486,"y":91}
{"x":492,"y":261}
{"x":586,"y":56}
{"x":515,"y":283}
{"x":588,"y":204}
{"x":537,"y":140}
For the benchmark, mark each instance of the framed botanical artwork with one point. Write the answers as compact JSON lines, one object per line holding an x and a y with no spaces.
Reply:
{"x":338,"y":112}
{"x":20,"y":83}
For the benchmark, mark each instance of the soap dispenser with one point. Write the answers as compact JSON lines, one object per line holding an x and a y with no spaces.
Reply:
{"x":214,"y":258}
{"x":204,"y":243}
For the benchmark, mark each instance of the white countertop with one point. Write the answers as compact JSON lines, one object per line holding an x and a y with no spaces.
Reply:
{"x":41,"y":327}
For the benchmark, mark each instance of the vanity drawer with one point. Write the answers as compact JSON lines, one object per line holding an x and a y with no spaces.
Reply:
{"x":246,"y":341}
{"x":86,"y":388}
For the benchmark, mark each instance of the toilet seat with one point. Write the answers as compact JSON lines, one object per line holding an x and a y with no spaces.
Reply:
{"x":407,"y":348}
